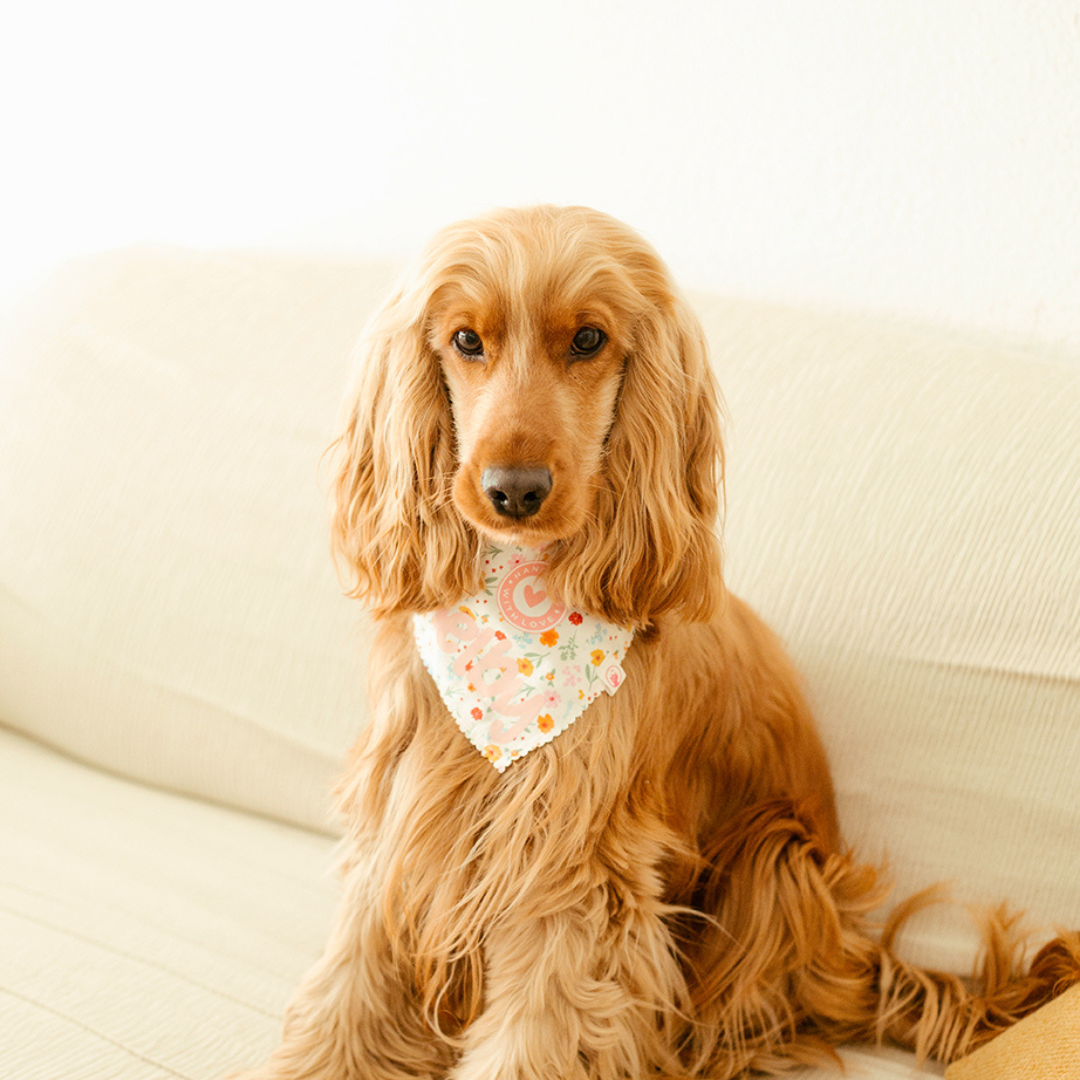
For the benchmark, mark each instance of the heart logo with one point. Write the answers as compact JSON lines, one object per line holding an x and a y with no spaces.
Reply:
{"x":524,"y":601}
{"x":533,"y":597}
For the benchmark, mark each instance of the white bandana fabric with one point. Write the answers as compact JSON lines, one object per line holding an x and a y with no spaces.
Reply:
{"x":513,"y":664}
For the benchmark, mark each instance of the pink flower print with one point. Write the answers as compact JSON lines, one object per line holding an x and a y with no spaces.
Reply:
{"x":515,"y":560}
{"x":571,"y":676}
{"x":552,"y":698}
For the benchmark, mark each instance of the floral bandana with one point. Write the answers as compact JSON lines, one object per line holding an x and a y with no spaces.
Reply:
{"x":514,"y":665}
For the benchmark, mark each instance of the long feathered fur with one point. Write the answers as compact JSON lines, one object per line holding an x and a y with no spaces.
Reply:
{"x":661,"y":891}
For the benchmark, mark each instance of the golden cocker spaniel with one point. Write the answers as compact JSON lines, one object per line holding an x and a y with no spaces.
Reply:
{"x":656,"y":886}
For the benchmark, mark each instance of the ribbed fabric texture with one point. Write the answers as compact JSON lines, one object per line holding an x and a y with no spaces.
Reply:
{"x":168,"y":607}
{"x":143,"y":935}
{"x":904,"y":507}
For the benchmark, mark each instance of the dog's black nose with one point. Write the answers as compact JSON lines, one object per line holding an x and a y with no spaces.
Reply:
{"x":515,"y":492}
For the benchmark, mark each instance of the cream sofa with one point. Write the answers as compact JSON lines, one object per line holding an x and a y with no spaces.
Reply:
{"x":180,"y":676}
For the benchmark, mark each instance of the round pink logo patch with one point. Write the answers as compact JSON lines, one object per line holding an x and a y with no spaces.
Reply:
{"x":524,"y":599}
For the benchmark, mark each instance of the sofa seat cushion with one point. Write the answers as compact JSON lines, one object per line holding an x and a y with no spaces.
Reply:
{"x":150,"y":936}
{"x":144,"y":935}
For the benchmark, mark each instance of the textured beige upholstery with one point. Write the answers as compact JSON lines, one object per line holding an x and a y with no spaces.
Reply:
{"x":903,"y":506}
{"x":144,"y":935}
{"x":168,"y":608}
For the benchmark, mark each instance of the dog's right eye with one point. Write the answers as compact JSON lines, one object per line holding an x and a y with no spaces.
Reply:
{"x":468,"y":343}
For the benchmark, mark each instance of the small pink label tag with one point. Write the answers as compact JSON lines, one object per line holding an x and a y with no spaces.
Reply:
{"x":612,"y":676}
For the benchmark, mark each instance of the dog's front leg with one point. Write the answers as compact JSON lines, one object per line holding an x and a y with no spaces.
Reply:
{"x":580,"y":993}
{"x":353,"y":1016}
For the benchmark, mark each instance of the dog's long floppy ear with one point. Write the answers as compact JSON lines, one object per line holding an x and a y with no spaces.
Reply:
{"x":399,"y":543}
{"x":655,"y":546}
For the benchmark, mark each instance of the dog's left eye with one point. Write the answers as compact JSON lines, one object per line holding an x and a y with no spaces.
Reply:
{"x":468,"y":343}
{"x":587,"y":341}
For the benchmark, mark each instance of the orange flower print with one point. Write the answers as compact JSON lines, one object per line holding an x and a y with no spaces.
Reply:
{"x":597,"y":657}
{"x":545,"y":723}
{"x":466,"y":611}
{"x":492,"y":753}
{"x":476,"y":714}
{"x":525,"y":666}
{"x":500,"y":636}
{"x":549,"y":638}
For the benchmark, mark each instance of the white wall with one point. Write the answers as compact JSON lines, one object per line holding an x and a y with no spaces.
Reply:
{"x":918,"y":157}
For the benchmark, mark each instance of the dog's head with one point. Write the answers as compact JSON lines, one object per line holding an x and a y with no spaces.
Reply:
{"x":535,"y":379}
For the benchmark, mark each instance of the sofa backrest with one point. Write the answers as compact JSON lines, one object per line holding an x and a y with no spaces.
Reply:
{"x":903,"y":506}
{"x":168,"y":606}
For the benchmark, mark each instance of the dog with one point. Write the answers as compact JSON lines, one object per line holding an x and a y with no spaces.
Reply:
{"x":554,"y":882}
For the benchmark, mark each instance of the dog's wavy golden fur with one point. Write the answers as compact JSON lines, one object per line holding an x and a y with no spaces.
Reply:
{"x":662,"y":890}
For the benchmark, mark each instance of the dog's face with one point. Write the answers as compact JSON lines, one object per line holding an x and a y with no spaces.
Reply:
{"x":536,"y":380}
{"x":533,"y":375}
